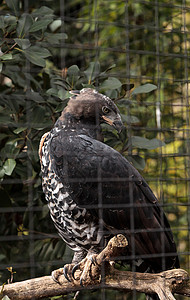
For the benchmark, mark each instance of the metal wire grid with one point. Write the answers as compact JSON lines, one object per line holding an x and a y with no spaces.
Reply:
{"x":178,"y":106}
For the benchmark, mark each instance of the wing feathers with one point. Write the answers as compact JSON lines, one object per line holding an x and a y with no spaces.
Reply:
{"x":98,"y":175}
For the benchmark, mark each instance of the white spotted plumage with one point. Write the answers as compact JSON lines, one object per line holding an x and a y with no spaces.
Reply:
{"x":61,"y":206}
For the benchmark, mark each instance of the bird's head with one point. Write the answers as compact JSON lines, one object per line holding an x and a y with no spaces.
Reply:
{"x":91,"y":106}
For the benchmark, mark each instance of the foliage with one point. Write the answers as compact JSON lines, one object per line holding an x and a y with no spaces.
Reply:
{"x":34,"y":89}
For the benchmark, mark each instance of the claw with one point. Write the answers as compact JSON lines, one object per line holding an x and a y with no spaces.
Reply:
{"x":55,"y":275}
{"x":69,"y":270}
{"x":76,"y":267}
{"x":54,"y":278}
{"x":93,"y":260}
{"x":65,"y":272}
{"x":81,"y":284}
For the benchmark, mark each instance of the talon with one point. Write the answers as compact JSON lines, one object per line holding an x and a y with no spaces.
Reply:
{"x":76,"y":267}
{"x":81,"y":280}
{"x":65,"y":272}
{"x":69,"y":270}
{"x":54,"y":278}
{"x":93,"y":260}
{"x":55,"y":275}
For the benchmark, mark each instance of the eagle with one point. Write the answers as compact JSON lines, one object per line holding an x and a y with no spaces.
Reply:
{"x":94,"y":193}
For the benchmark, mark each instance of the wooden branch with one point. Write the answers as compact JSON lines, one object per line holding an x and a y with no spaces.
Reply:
{"x":164,"y":283}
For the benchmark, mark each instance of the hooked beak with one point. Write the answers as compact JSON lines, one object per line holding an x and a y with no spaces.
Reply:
{"x":115,"y":122}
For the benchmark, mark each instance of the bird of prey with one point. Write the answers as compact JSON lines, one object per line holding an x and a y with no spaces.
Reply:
{"x":94,"y":193}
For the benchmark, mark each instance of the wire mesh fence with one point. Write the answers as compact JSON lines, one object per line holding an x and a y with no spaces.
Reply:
{"x":50,"y":48}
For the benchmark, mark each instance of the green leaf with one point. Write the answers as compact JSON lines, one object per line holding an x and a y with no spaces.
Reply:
{"x":36,"y":82}
{"x":42,"y":11}
{"x":39,"y":121}
{"x":7,"y":56}
{"x":2,"y":256}
{"x":36,"y":55}
{"x":137,"y":161}
{"x":73,"y":70}
{"x":63,"y":94}
{"x":9,"y":166}
{"x":38,"y":115}
{"x":144,"y":143}
{"x":61,"y":83}
{"x":52,"y":92}
{"x":92,"y":71}
{"x":54,"y":38}
{"x":10,"y":24}
{"x":110,"y":68}
{"x":35,"y":96}
{"x":41,"y":24}
{"x":1,"y":67}
{"x":55,"y":25}
{"x":60,"y":107}
{"x":24,"y":24}
{"x":124,"y":102}
{"x":111,"y":83}
{"x":103,"y":74}
{"x":19,"y":130}
{"x":10,"y":20}
{"x":73,"y":75}
{"x":11,"y":148}
{"x":146,"y":88}
{"x":130,"y":119}
{"x":23,"y":43}
{"x":87,"y":85}
{"x":13,"y":5}
{"x":112,"y":94}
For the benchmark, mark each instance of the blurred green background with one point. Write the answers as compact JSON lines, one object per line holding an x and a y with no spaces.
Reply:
{"x":52,"y":47}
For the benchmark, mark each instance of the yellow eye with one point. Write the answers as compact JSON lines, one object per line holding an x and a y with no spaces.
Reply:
{"x":105,"y":110}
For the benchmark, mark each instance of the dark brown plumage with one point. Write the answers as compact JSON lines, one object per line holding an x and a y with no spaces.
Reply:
{"x":93,"y":192}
